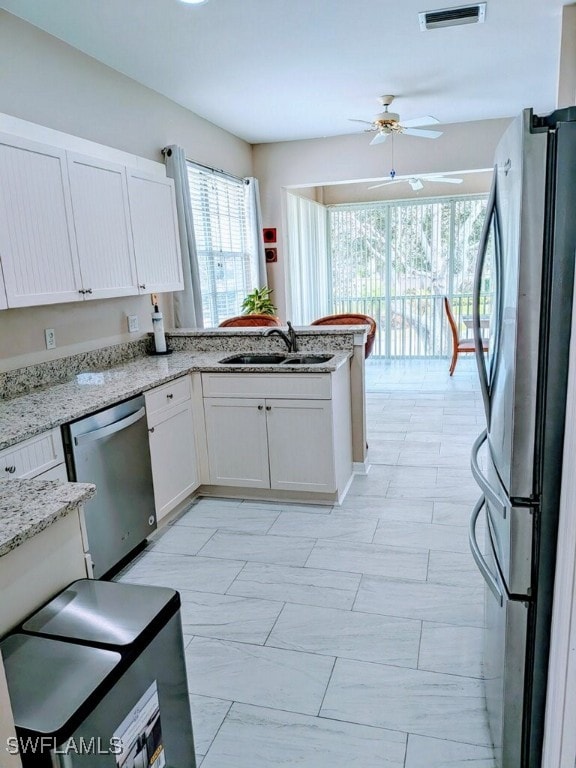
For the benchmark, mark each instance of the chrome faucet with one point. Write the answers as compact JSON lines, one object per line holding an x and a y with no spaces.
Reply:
{"x":289,"y":339}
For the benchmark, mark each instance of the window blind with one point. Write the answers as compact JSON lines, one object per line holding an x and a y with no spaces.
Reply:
{"x":219,"y":210}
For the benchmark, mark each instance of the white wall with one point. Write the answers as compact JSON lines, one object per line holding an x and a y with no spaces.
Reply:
{"x":322,"y":162}
{"x":46,"y":81}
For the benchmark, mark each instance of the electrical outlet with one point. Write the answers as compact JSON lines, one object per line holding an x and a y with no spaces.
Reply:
{"x":50,"y":337}
{"x":133,"y":324}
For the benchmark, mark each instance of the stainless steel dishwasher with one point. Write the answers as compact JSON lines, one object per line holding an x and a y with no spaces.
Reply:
{"x":110,"y":449}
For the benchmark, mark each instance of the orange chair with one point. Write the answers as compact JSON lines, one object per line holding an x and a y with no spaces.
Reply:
{"x":352,"y":319}
{"x":250,"y":321}
{"x":459,"y":345}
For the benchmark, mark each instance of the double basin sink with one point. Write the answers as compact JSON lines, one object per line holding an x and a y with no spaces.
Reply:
{"x":275,"y":359}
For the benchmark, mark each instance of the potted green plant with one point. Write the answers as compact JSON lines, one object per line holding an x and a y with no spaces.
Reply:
{"x":258,"y":302}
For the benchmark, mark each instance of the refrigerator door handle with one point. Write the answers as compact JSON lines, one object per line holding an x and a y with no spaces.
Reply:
{"x":477,"y":284}
{"x":489,"y":492}
{"x":491,"y":220}
{"x":491,"y":580}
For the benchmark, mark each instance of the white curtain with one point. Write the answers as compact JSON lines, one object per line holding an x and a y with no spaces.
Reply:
{"x":187,"y":303}
{"x":254,"y":216}
{"x":307,"y":275}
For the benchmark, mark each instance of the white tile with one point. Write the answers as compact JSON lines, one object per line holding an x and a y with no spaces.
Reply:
{"x":183,"y":572}
{"x":454,"y":568}
{"x":253,"y":674}
{"x":207,"y":716}
{"x":422,"y":536}
{"x":425,"y":752}
{"x":280,"y":550}
{"x":450,"y":649}
{"x":347,"y":527}
{"x":228,"y":617}
{"x":309,"y":586}
{"x":350,"y":634}
{"x":255,"y":737}
{"x":181,"y":540}
{"x":408,"y":700}
{"x":415,"y":511}
{"x":230,"y":517}
{"x":452,"y":512}
{"x":415,"y":600}
{"x":369,"y":558}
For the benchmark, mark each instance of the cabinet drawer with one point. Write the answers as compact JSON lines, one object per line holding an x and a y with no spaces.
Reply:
{"x":167,"y":396}
{"x":32,"y":457}
{"x":308,"y":385}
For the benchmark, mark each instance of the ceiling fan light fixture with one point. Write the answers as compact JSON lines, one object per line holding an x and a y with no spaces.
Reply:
{"x":194,"y":2}
{"x":416,"y":184}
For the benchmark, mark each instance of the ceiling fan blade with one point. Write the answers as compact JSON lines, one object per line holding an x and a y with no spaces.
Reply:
{"x":443,"y":180}
{"x":416,"y":122}
{"x":379,"y":138}
{"x":422,"y":133}
{"x":386,"y":183}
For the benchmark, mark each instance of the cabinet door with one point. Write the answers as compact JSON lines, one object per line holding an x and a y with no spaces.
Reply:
{"x":300,"y":445}
{"x":102,"y":223}
{"x":173,"y":454}
{"x":155,"y":232}
{"x":37,"y":244}
{"x":237,"y":444}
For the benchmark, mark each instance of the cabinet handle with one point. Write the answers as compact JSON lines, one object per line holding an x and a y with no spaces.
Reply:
{"x":260,"y":407}
{"x":88,"y":290}
{"x":80,"y":290}
{"x":11,"y":469}
{"x":268,"y":407}
{"x":151,"y":429}
{"x":170,"y":396}
{"x":142,"y":287}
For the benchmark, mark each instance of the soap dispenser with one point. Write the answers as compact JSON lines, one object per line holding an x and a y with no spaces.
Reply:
{"x":158,"y":329}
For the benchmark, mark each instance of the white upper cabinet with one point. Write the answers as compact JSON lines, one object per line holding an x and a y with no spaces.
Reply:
{"x":76,"y":228}
{"x":102,"y":226}
{"x":155,"y":232}
{"x":37,"y":244}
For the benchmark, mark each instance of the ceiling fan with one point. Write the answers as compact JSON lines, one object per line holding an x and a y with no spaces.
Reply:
{"x":417,"y":182}
{"x":388,"y":123}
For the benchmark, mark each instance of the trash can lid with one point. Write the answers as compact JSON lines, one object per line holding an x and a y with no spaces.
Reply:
{"x":103,"y":612}
{"x":53,"y":685}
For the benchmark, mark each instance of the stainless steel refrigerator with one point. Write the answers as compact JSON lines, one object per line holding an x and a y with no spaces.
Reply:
{"x":525,"y":270}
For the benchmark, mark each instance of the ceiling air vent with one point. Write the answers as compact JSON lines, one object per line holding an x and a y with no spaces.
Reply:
{"x":452,"y":17}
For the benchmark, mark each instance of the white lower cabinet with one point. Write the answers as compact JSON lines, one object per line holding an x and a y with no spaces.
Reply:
{"x":300,"y":444}
{"x":172,"y":444}
{"x":41,"y":456}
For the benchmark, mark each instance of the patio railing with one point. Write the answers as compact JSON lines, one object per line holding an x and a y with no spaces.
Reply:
{"x":413,"y":326}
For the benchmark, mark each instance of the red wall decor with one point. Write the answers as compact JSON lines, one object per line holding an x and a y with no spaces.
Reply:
{"x":269,"y":234}
{"x":271,"y":254}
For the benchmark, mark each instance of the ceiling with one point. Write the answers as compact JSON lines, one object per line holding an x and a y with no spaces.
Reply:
{"x":276,"y":70}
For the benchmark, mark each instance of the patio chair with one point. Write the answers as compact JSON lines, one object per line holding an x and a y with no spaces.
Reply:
{"x":352,"y":319}
{"x":250,"y":321}
{"x":464,"y":346}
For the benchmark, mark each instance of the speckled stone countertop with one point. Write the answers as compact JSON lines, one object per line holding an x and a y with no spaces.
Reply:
{"x":27,"y":507}
{"x":42,"y":409}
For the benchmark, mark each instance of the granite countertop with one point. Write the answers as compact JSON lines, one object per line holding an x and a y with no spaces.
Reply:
{"x":43,"y":409}
{"x":29,"y":506}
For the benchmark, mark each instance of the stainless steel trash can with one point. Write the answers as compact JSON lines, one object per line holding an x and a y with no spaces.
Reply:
{"x":137,"y":713}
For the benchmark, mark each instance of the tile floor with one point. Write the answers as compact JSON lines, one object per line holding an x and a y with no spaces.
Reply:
{"x":327,"y":638}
